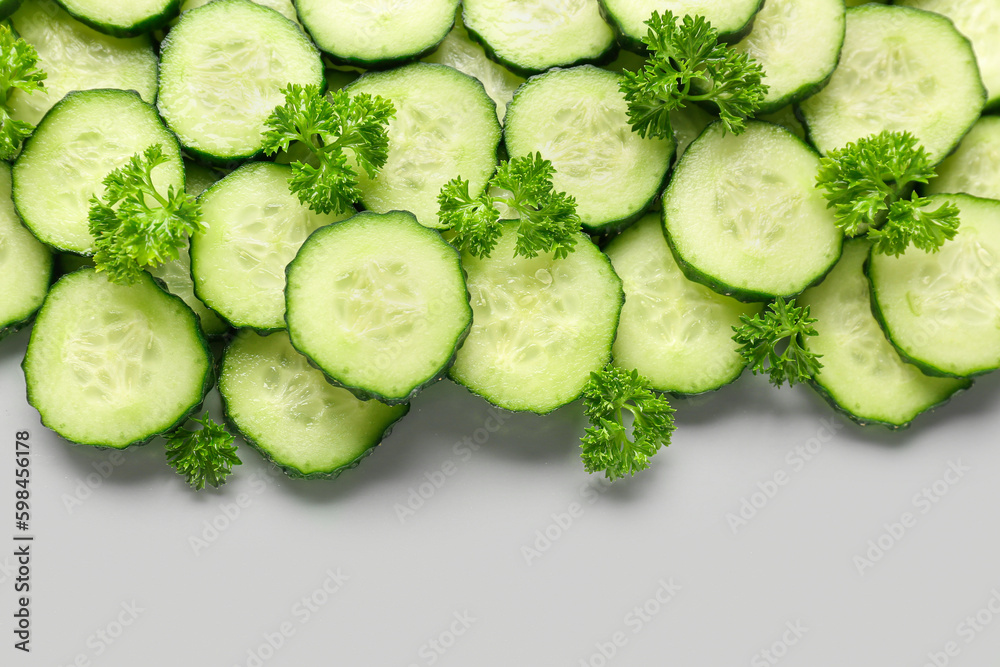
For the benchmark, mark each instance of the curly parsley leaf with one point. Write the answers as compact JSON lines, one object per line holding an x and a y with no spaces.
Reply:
{"x":18,"y":71}
{"x":688,"y":64}
{"x":908,"y":223}
{"x":136,"y":226}
{"x":606,"y":445}
{"x":329,"y":127}
{"x":204,"y":456}
{"x":760,"y":337}
{"x":548,"y":222}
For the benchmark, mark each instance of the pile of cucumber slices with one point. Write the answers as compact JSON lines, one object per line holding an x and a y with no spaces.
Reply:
{"x":333,"y":322}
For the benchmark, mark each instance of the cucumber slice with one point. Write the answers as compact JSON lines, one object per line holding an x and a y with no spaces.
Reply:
{"x":675,"y":332}
{"x":113,"y":366}
{"x":900,"y":69}
{"x":176,"y":276}
{"x":786,"y":118}
{"x":974,"y":167}
{"x":198,"y":178}
{"x":222,"y":70}
{"x":255,"y":225}
{"x":25,"y":264}
{"x":283,"y":7}
{"x":732,"y":18}
{"x":445,"y":127}
{"x":540,"y":325}
{"x":379,"y":304}
{"x":81,"y":140}
{"x":377,"y":34}
{"x":743,"y":216}
{"x":979,"y":20}
{"x":460,"y":52}
{"x":123,"y":19}
{"x":942,"y":310}
{"x":862,"y":374}
{"x":797,"y":42}
{"x":535,"y":35}
{"x":76,"y":57}
{"x":578,"y":119}
{"x":287,"y":410}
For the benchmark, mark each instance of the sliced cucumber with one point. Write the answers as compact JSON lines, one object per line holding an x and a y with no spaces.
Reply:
{"x":974,"y":167}
{"x":25,"y":264}
{"x":286,"y":409}
{"x":81,"y":140}
{"x":675,"y":332}
{"x":459,"y":51}
{"x":578,"y":119}
{"x":123,"y":19}
{"x":379,"y":304}
{"x":255,"y":225}
{"x":979,"y":20}
{"x":176,"y":276}
{"x":900,"y":69}
{"x":942,"y":310}
{"x":380,"y":33}
{"x":862,"y":373}
{"x":113,"y":366}
{"x":540,"y":325}
{"x":743,"y":216}
{"x":786,"y":118}
{"x":732,"y":18}
{"x":797,"y":42}
{"x":198,"y":178}
{"x":283,"y":7}
{"x":222,"y":70}
{"x":76,"y":57}
{"x":445,"y":127}
{"x":535,"y":35}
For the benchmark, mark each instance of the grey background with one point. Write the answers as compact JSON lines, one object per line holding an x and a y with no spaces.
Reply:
{"x":124,"y":537}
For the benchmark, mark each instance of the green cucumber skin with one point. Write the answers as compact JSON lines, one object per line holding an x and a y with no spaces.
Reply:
{"x":599,"y":60}
{"x":366,"y":394}
{"x":207,"y":385}
{"x":134,"y":30}
{"x":8,"y":7}
{"x":636,"y":46}
{"x":925,"y":367}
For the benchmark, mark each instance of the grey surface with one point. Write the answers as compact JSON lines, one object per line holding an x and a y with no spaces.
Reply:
{"x":129,"y":542}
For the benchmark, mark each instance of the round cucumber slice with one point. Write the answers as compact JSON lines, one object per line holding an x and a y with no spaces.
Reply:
{"x":254,"y":227}
{"x":25,"y":264}
{"x":675,"y":332}
{"x":797,"y":42}
{"x":541,"y":325}
{"x":287,"y":410}
{"x":743,"y":216}
{"x":379,"y":304}
{"x":377,"y":34}
{"x":222,"y":70}
{"x":81,"y":140}
{"x":901,"y":69}
{"x":113,"y":366}
{"x":577,"y":119}
{"x":445,"y":127}
{"x":77,"y":57}
{"x":123,"y":19}
{"x":283,"y":7}
{"x":732,"y":18}
{"x":533,"y":36}
{"x":942,"y":310}
{"x":862,"y":374}
{"x":974,"y":167}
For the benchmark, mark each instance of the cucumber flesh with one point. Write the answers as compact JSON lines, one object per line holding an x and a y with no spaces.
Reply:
{"x":286,"y":409}
{"x":676,"y":333}
{"x":974,"y":167}
{"x":110,"y":365}
{"x":25,"y":264}
{"x":283,"y":7}
{"x":862,"y":373}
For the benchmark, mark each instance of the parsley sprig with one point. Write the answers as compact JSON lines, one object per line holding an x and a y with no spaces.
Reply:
{"x":18,"y":71}
{"x":866,"y":182}
{"x":761,"y":336}
{"x":688,"y":64}
{"x":204,"y":456}
{"x":548,"y":222}
{"x":606,"y":445}
{"x":136,"y":226}
{"x":330,"y":127}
